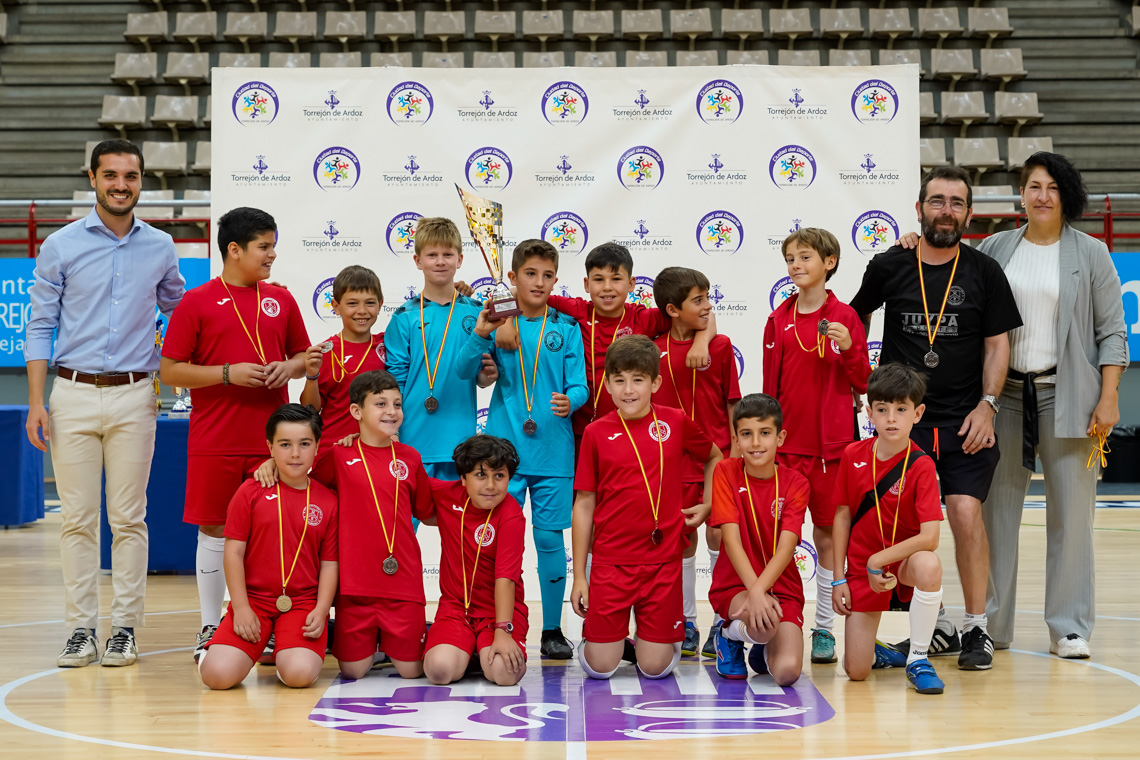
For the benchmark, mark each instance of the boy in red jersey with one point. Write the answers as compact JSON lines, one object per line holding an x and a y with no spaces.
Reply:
{"x":235,"y":343}
{"x":707,"y":395}
{"x":482,"y":531}
{"x":887,"y":523}
{"x":281,"y":563}
{"x":756,"y":585}
{"x":628,"y":503}
{"x":815,"y":364}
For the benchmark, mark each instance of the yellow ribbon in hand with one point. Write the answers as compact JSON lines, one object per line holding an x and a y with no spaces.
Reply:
{"x":1100,"y":448}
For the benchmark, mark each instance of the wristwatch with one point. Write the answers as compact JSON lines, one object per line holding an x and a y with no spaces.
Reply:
{"x":508,"y":627}
{"x":992,"y":401}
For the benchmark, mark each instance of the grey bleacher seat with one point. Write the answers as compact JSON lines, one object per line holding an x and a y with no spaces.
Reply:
{"x":697,"y":58}
{"x":194,"y":26}
{"x":453,"y":60}
{"x":952,"y":64}
{"x":485,"y":59}
{"x":593,"y":26}
{"x":790,"y":23}
{"x":898,"y":56}
{"x":395,"y":26}
{"x":740,"y":23}
{"x":148,"y":27}
{"x":964,"y":108}
{"x":932,"y":152}
{"x":122,"y":111}
{"x":135,"y":69}
{"x":1020,"y":148}
{"x":239,"y":60}
{"x":690,"y":24}
{"x":391,"y":59}
{"x":549,"y":59}
{"x":209,"y":111}
{"x":843,"y":23}
{"x":849,"y":58}
{"x":1004,"y":65}
{"x":495,"y":26}
{"x":344,"y":26}
{"x":642,"y":25}
{"x":196,"y":195}
{"x":351,"y":59}
{"x":990,"y":23}
{"x":201,"y":157}
{"x":244,"y":27}
{"x":939,"y":22}
{"x":187,"y":69}
{"x":979,"y":153}
{"x":891,"y":23}
{"x":163,"y":159}
{"x":646,"y":58}
{"x":994,"y":207}
{"x":926,"y":112}
{"x":156,"y":212}
{"x":797,"y":57}
{"x":295,"y":26}
{"x":747,"y":58}
{"x":290,"y":60}
{"x":85,"y":197}
{"x":174,"y":111}
{"x":3,"y":27}
{"x":444,"y":26}
{"x":1135,"y":20}
{"x":595,"y":58}
{"x":542,"y":26}
{"x":192,"y":250}
{"x":1017,"y":108}
{"x":87,"y":148}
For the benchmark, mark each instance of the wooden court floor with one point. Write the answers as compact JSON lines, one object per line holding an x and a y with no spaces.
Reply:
{"x":1029,"y":706}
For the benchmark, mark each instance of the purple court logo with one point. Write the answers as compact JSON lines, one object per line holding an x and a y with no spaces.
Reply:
{"x":336,"y":168}
{"x":566,"y":231}
{"x":640,"y":167}
{"x":792,"y":166}
{"x":874,"y":231}
{"x":720,"y":232}
{"x":410,"y":103}
{"x":255,"y":103}
{"x":642,"y":292}
{"x":739,"y":356}
{"x":489,"y":169}
{"x":720,"y":102}
{"x":565,"y":103}
{"x":874,"y":102}
{"x":874,"y":349}
{"x":781,"y":291}
{"x":402,"y":232}
{"x":322,"y":301}
{"x":806,"y":559}
{"x":560,"y":704}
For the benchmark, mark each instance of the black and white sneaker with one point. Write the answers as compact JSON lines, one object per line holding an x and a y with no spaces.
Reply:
{"x":270,"y":651}
{"x":977,"y":650}
{"x":1072,"y":647}
{"x":203,"y":640}
{"x":555,"y":645}
{"x":121,"y":650}
{"x":942,"y":643}
{"x":80,"y":650}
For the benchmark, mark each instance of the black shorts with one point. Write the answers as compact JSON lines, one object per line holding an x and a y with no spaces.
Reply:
{"x":958,"y":472}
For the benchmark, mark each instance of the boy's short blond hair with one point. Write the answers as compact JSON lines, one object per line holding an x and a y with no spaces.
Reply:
{"x":437,"y":230}
{"x":819,"y":240}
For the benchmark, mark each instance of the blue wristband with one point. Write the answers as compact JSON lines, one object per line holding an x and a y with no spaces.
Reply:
{"x":874,"y":572}
{"x":839,"y":582}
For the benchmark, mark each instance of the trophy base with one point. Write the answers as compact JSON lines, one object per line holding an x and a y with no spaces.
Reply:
{"x":179,"y":415}
{"x":503,"y":308}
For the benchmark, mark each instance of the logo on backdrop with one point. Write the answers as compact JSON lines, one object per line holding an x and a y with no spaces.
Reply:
{"x":776,"y":239}
{"x":322,"y":301}
{"x":336,"y":168}
{"x":261,"y":172}
{"x":641,"y":108}
{"x":565,"y":172}
{"x":718,"y":171}
{"x":720,"y":102}
{"x":483,"y":288}
{"x":781,"y":291}
{"x":566,"y":231}
{"x":489,"y":169}
{"x":565,"y":103}
{"x":798,"y":106}
{"x":640,"y":167}
{"x":874,"y":231}
{"x":410,"y":172}
{"x":641,"y":293}
{"x":868,"y":173}
{"x":739,"y":356}
{"x":806,"y":559}
{"x":331,"y":238}
{"x":792,"y":166}
{"x":723,"y":304}
{"x":255,"y":103}
{"x":410,"y":103}
{"x":402,"y":233}
{"x":874,"y":102}
{"x":481,"y":420}
{"x":332,"y":111}
{"x":874,"y":349}
{"x":487,"y":108}
{"x":720,"y":232}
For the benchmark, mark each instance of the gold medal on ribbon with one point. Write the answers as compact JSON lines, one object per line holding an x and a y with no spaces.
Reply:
{"x":485,"y":221}
{"x":284,"y":603}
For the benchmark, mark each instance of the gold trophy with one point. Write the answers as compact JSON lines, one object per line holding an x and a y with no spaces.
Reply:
{"x":485,"y":220}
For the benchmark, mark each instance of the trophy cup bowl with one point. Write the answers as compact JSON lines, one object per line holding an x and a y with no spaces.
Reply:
{"x":485,"y":221}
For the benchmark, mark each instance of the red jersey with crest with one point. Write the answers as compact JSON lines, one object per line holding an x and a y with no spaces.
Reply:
{"x":205,"y":330}
{"x":252,"y":517}
{"x":346,"y":360}
{"x":757,"y":521}
{"x":608,"y":466}
{"x":496,"y":536}
{"x":363,"y":547}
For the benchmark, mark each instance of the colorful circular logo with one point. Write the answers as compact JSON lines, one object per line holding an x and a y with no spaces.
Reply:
{"x":874,"y":231}
{"x":781,"y":291}
{"x":874,"y":102}
{"x":874,"y":349}
{"x":792,"y":166}
{"x":481,"y":421}
{"x":641,"y":293}
{"x":720,"y":232}
{"x":720,"y":102}
{"x":483,"y":288}
{"x":255,"y":103}
{"x":640,"y":167}
{"x":489,"y":169}
{"x":402,"y":232}
{"x":566,"y":231}
{"x":806,"y":559}
{"x":322,"y":300}
{"x":736,"y":352}
{"x":336,"y":168}
{"x":565,"y":103}
{"x":410,"y":103}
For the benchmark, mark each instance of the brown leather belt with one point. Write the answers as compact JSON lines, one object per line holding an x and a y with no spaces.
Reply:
{"x":103,"y":379}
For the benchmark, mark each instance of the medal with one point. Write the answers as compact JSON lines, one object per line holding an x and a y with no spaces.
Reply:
{"x":890,"y":581}
{"x":284,"y":603}
{"x":390,"y":565}
{"x":340,"y":361}
{"x":530,"y":427}
{"x":655,"y":504}
{"x":680,"y":401}
{"x":931,"y":358}
{"x":326,"y":346}
{"x":822,"y":326}
{"x":657,"y":536}
{"x":756,"y":521}
{"x":463,"y":555}
{"x":431,"y":404}
{"x":593,"y":364}
{"x":257,"y":347}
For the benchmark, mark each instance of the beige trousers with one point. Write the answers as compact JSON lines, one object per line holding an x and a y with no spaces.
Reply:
{"x":92,"y":430}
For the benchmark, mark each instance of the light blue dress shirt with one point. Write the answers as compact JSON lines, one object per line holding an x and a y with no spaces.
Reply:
{"x":98,"y":294}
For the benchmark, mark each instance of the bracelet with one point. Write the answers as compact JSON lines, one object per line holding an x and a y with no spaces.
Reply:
{"x":226,"y":374}
{"x":874,"y":572}
{"x":313,"y":378}
{"x":839,"y":582}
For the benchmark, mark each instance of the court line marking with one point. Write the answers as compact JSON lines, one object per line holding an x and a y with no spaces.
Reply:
{"x":101,"y":617}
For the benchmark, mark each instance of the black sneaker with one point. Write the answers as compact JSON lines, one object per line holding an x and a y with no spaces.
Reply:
{"x":203,"y":641}
{"x":942,"y":644}
{"x":629,"y":653}
{"x":555,"y":646}
{"x":121,"y":650}
{"x":709,"y":649}
{"x":977,"y":650}
{"x":81,"y":649}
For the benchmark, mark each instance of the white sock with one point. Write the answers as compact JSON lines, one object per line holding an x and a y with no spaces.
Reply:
{"x":669,"y":669}
{"x":689,"y":587}
{"x":586,"y":666}
{"x":975,"y":621}
{"x":211,"y":577}
{"x":589,"y":564}
{"x":923,"y":617}
{"x":824,"y":612}
{"x":713,"y":555}
{"x":944,"y":623}
{"x":736,"y":630}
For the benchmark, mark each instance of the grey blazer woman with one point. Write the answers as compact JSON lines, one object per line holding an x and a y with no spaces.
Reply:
{"x":1090,"y":333}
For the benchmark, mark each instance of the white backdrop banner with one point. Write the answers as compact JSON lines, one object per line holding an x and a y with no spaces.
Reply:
{"x":706,"y":167}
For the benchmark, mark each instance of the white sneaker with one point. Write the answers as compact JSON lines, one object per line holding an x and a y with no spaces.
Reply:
{"x":204,"y":639}
{"x":121,"y":650}
{"x":1072,"y":647}
{"x":79,"y":650}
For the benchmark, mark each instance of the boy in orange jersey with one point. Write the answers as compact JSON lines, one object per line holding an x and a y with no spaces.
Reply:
{"x":756,"y":585}
{"x":815,"y":365}
{"x":281,"y":563}
{"x":630,"y":508}
{"x":707,"y":394}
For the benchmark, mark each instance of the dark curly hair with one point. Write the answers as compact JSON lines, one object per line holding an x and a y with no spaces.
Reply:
{"x":1074,"y":194}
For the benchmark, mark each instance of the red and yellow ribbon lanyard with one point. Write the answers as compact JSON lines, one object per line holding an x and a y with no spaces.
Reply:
{"x":390,"y":566}
{"x":676,"y":389}
{"x":593,"y":365}
{"x":430,"y":403}
{"x":756,"y":521}
{"x":656,"y":536}
{"x":340,"y":361}
{"x":284,"y":603}
{"x":875,"y":490}
{"x":820,"y":339}
{"x":256,"y":320}
{"x":468,"y":590}
{"x":931,"y":358}
{"x":530,"y":426}
{"x":1099,"y":449}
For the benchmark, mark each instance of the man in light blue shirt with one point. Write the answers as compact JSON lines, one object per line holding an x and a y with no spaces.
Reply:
{"x":95,"y":288}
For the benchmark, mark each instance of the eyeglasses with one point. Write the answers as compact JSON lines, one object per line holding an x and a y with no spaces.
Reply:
{"x":940,"y":203}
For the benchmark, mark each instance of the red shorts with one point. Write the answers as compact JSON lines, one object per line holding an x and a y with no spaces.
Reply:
{"x":821,"y":475}
{"x":863,"y":599}
{"x":654,"y":593}
{"x":792,"y":607}
{"x":363,"y":622}
{"x":452,"y":627}
{"x":692,"y":494}
{"x":287,"y":629}
{"x":211,"y":481}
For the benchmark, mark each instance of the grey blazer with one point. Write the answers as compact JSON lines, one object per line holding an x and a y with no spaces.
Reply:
{"x":1090,"y":322}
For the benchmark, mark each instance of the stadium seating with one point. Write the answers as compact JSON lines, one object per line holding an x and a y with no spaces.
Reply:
{"x":691,"y":24}
{"x":174,"y":112}
{"x":122,"y":111}
{"x":741,"y":23}
{"x":543,"y":26}
{"x":239,"y":60}
{"x":390,"y":59}
{"x":543,"y":60}
{"x":891,"y":23}
{"x":980,"y":153}
{"x":940,"y":23}
{"x":990,"y":23}
{"x":201,"y":163}
{"x":789,"y":24}
{"x":147,"y":28}
{"x":187,"y":69}
{"x":344,"y":26}
{"x":849,"y":58}
{"x":156,"y":212}
{"x":840,"y":23}
{"x":395,"y":26}
{"x":1004,"y":65}
{"x":295,"y":26}
{"x":926,"y":112}
{"x":594,"y":26}
{"x":642,"y":26}
{"x":955,"y":65}
{"x":697,"y":58}
{"x":494,"y":26}
{"x":134,"y":69}
{"x":493,"y":60}
{"x":244,"y":27}
{"x":932,"y":153}
{"x":747,"y":57}
{"x":797,"y":57}
{"x":1020,"y":148}
{"x":163,"y":159}
{"x":964,"y":108}
{"x":600,"y":59}
{"x":1017,"y":108}
{"x":194,"y":27}
{"x":290,"y":60}
{"x":643,"y":58}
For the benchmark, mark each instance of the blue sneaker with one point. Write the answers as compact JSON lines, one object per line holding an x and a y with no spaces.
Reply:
{"x":692,"y":643}
{"x":887,"y":656}
{"x":729,"y":658}
{"x":921,"y":677}
{"x":709,"y":649}
{"x":756,"y":659}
